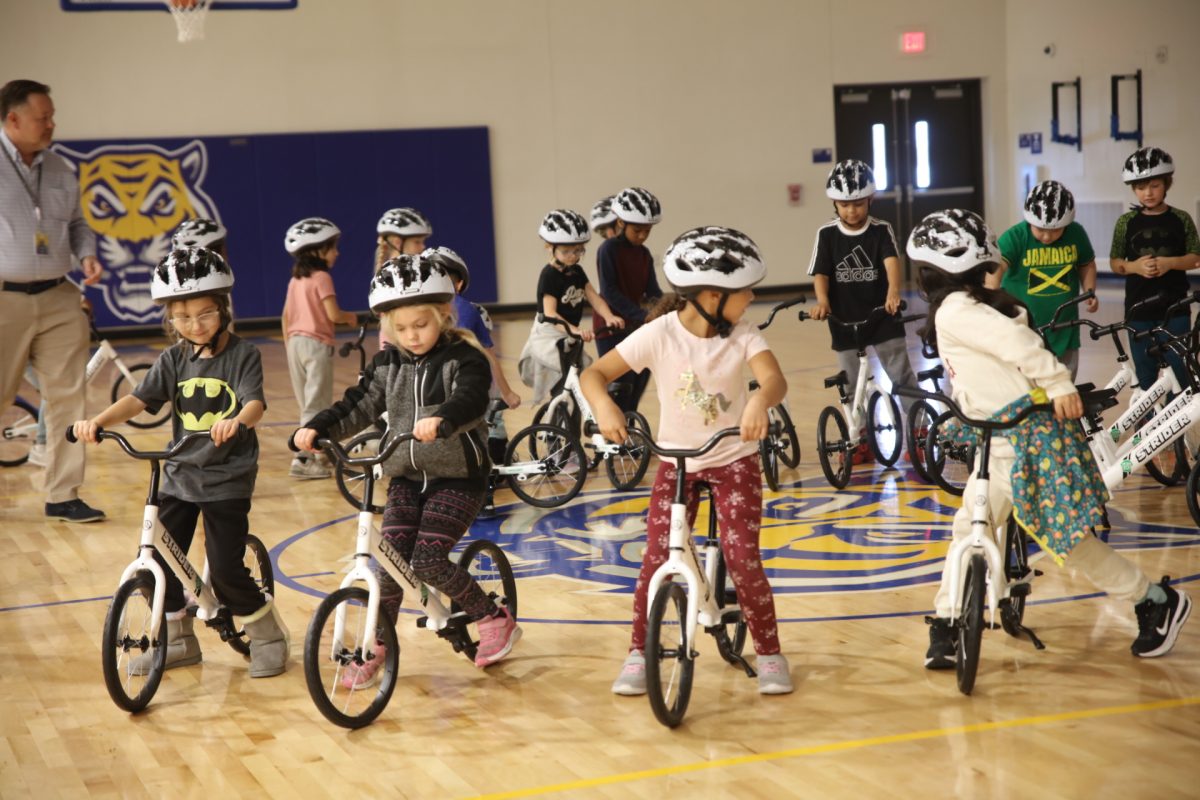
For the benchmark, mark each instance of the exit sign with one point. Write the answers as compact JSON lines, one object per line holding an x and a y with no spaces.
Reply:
{"x":912,"y":42}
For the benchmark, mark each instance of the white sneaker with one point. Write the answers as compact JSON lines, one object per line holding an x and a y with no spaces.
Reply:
{"x":632,"y":680}
{"x":774,"y":676}
{"x":37,"y":455}
{"x":310,"y":469}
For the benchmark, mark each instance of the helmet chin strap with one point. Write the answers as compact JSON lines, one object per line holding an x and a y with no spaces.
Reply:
{"x":211,"y":344}
{"x":719,"y":323}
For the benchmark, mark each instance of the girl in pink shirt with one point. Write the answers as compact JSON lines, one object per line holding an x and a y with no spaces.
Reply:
{"x":309,"y":314}
{"x":697,"y":350}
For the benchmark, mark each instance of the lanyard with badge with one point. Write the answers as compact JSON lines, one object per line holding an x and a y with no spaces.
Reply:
{"x":41,"y":242}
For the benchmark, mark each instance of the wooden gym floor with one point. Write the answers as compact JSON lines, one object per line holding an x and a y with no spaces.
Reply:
{"x":854,"y":573}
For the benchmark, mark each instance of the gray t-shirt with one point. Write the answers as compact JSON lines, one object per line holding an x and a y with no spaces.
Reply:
{"x":202,"y":392}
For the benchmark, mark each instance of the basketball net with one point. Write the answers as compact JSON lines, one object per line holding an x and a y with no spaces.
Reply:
{"x":189,"y":17}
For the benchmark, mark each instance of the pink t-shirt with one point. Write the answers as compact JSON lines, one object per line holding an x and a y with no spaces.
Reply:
{"x":702,"y":384}
{"x":305,"y":314}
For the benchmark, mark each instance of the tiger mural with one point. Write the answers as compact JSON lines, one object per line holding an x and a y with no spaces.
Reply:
{"x":134,"y":197}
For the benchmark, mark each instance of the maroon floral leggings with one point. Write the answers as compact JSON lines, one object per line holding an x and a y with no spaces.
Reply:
{"x":737,"y":496}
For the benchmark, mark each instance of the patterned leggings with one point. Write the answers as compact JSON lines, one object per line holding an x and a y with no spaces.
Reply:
{"x":737,"y":496}
{"x":424,"y":529}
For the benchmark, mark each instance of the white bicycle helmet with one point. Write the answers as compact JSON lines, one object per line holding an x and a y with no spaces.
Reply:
{"x":603,"y":213}
{"x":309,"y":232}
{"x":564,"y":226}
{"x":637,"y":206}
{"x":198,"y":232}
{"x":1147,"y":162}
{"x":188,"y":272}
{"x":403,"y":222}
{"x":450,"y":261}
{"x":1050,"y":205}
{"x":850,"y":180}
{"x":408,"y":280}
{"x":713,"y":258}
{"x":953,"y":241}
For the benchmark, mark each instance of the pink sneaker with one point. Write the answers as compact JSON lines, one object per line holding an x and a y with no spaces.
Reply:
{"x":361,"y":676}
{"x":497,"y":635}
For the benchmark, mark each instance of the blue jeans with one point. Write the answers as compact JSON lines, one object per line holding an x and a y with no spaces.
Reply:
{"x":1146,"y":365}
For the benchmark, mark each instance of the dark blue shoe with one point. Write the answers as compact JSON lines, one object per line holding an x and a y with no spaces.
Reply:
{"x":73,"y":511}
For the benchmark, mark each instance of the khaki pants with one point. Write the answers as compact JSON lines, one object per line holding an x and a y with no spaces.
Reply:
{"x":48,"y":330}
{"x":310,"y":365}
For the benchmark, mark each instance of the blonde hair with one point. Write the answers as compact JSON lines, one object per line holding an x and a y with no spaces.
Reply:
{"x":381,"y":250}
{"x":442,"y":313}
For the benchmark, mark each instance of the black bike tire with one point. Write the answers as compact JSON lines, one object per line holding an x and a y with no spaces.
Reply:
{"x":347,"y":478}
{"x":672,"y":713}
{"x":789,"y":452}
{"x":970,"y":623}
{"x":28,"y":409}
{"x":874,"y":432}
{"x":112,"y":666}
{"x":918,"y":411}
{"x":163,"y":414}
{"x":1193,"y":492}
{"x":840,"y":477}
{"x":1016,"y":567}
{"x":935,"y":461}
{"x":631,"y":445}
{"x":575,"y":450}
{"x":265,"y":580}
{"x":313,"y":656}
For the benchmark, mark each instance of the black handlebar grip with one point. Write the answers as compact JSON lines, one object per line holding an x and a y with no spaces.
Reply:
{"x":71,"y":434}
{"x":292,"y":442}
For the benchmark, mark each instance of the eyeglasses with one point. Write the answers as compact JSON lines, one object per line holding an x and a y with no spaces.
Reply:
{"x":573,"y":251}
{"x":202,"y":319}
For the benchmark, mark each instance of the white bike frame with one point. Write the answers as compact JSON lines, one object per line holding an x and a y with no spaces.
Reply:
{"x":683,"y":561}
{"x":571,"y":392}
{"x":105,"y":353}
{"x":856,"y":411}
{"x":369,"y":542}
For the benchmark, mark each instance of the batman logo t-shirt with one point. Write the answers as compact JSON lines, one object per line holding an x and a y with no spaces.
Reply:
{"x":201,"y":393}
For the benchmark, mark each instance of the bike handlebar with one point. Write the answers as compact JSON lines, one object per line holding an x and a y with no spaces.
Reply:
{"x":562,"y":323}
{"x":334,"y":448}
{"x":784,"y":305}
{"x":590,"y":428}
{"x":985,"y":424}
{"x":146,"y":455}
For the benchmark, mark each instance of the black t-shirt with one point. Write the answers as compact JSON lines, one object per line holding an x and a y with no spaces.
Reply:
{"x":858,"y":283}
{"x":1171,"y":233}
{"x":566,"y":286}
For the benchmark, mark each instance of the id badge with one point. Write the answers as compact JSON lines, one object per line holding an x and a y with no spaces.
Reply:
{"x":41,"y":244}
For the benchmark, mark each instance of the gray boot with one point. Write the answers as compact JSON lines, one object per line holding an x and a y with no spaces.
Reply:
{"x":183,"y":649}
{"x":269,"y":641}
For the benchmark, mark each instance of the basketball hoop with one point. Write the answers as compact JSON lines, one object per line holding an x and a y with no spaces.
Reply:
{"x":189,"y":17}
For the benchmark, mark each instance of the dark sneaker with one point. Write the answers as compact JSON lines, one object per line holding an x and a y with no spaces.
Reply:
{"x":1159,"y":623}
{"x":74,"y":511}
{"x":942,"y":642}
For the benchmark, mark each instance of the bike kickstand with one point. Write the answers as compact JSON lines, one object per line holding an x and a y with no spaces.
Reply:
{"x":741,"y":662}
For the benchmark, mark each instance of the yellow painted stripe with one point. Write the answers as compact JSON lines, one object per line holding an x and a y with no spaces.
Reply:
{"x":834,"y":747}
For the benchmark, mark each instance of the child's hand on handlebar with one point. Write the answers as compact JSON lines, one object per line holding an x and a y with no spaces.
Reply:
{"x":85,"y":431}
{"x":754,"y":420}
{"x":820,"y":311}
{"x":892,"y":303}
{"x":305,"y":438}
{"x":223,"y":430}
{"x":511,"y":399}
{"x":616,"y":322}
{"x":1068,"y":406}
{"x":1092,"y":304}
{"x":426,"y":430}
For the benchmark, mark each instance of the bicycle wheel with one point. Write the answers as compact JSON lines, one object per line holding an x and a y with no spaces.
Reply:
{"x":970,"y":624}
{"x":561,"y":460}
{"x":326,"y":658}
{"x":258,"y":564}
{"x":627,"y":466}
{"x":885,"y":429}
{"x":489,"y":568}
{"x":770,"y":463}
{"x":1016,"y":568}
{"x":18,"y":429}
{"x":949,"y":464}
{"x":1193,"y":492}
{"x":351,"y":480}
{"x":669,"y":662}
{"x":122,"y":387}
{"x":918,"y":422}
{"x":731,"y":636}
{"x":127,"y":636}
{"x":1170,"y":465}
{"x":567,"y":418}
{"x":788,"y":444}
{"x":833,"y":447}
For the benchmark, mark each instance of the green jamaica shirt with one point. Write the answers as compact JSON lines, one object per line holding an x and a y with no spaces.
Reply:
{"x":1044,"y":277}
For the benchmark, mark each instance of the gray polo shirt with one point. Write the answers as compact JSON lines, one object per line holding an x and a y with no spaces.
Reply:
{"x":62,"y":219}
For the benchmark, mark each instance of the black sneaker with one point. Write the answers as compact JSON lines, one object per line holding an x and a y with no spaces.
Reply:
{"x":74,"y":511}
{"x":1159,"y":623}
{"x":942,"y":642}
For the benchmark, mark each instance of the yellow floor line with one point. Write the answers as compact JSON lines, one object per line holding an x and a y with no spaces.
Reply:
{"x":833,"y":747}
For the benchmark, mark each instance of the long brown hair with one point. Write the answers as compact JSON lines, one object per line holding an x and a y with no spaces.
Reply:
{"x":936,"y":286}
{"x":671,"y":301}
